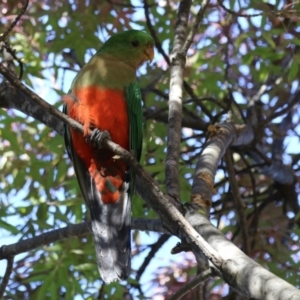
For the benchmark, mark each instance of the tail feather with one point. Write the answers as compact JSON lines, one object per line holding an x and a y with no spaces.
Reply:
{"x":111,"y":231}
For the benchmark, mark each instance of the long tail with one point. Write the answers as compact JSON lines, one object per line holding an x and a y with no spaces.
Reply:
{"x":110,"y":222}
{"x":111,"y":231}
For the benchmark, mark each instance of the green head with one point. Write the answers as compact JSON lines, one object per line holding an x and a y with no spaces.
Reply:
{"x":133,"y":47}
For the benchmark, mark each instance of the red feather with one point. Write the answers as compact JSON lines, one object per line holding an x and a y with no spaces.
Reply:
{"x":104,"y":109}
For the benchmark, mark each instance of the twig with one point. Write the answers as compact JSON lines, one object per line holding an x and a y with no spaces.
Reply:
{"x":16,"y":20}
{"x":127,"y":5}
{"x":237,"y":13}
{"x":160,"y":114}
{"x":192,"y":284}
{"x":158,"y":45}
{"x":190,"y":91}
{"x":6,"y":46}
{"x":253,"y":228}
{"x":252,"y":179}
{"x":240,"y":206}
{"x":8,"y":271}
{"x":56,"y":235}
{"x":157,"y":111}
{"x":195,"y":26}
{"x":101,"y":292}
{"x":175,"y":101}
{"x":291,"y":103}
{"x":8,"y":59}
{"x":154,"y":248}
{"x":44,"y":239}
{"x":153,"y":32}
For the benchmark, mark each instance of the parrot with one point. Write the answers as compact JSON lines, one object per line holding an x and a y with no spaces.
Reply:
{"x":105,"y":96}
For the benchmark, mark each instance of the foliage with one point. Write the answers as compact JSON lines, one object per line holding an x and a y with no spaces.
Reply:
{"x":238,"y":67}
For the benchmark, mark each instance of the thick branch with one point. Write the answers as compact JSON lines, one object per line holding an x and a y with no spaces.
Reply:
{"x":38,"y":100}
{"x":221,"y":136}
{"x":13,"y":98}
{"x":245,"y":275}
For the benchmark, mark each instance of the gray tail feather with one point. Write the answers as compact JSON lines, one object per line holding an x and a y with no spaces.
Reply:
{"x":111,"y":231}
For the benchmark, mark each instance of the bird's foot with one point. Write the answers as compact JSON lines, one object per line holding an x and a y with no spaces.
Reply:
{"x":97,"y":137}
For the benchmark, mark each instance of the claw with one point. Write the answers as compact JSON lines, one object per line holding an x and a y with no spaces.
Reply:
{"x":97,"y":137}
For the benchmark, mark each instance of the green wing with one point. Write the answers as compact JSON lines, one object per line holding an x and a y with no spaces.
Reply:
{"x":135,"y":112}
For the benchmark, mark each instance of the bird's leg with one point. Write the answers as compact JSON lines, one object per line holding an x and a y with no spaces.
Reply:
{"x":97,"y":137}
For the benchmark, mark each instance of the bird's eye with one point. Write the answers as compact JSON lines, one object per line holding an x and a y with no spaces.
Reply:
{"x":134,"y":43}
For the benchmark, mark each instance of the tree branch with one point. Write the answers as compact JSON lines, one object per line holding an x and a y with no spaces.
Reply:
{"x":10,"y":97}
{"x":70,"y":231}
{"x":237,"y":13}
{"x":13,"y":99}
{"x":276,"y":170}
{"x":154,"y":248}
{"x":221,"y":136}
{"x":38,"y":100}
{"x":192,"y":284}
{"x":240,"y":206}
{"x":187,"y":121}
{"x":195,"y":26}
{"x":153,"y":33}
{"x":8,"y":271}
{"x":16,"y":20}
{"x":245,"y":275}
{"x":175,"y":101}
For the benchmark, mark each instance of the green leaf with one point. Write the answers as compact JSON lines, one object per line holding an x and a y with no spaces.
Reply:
{"x":47,"y":283}
{"x":8,"y":227}
{"x":84,"y":267}
{"x":293,"y":71}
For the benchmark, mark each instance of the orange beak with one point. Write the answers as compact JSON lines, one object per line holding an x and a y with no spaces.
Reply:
{"x":149,"y":52}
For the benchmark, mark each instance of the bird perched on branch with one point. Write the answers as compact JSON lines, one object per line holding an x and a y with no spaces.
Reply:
{"x":105,"y":96}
